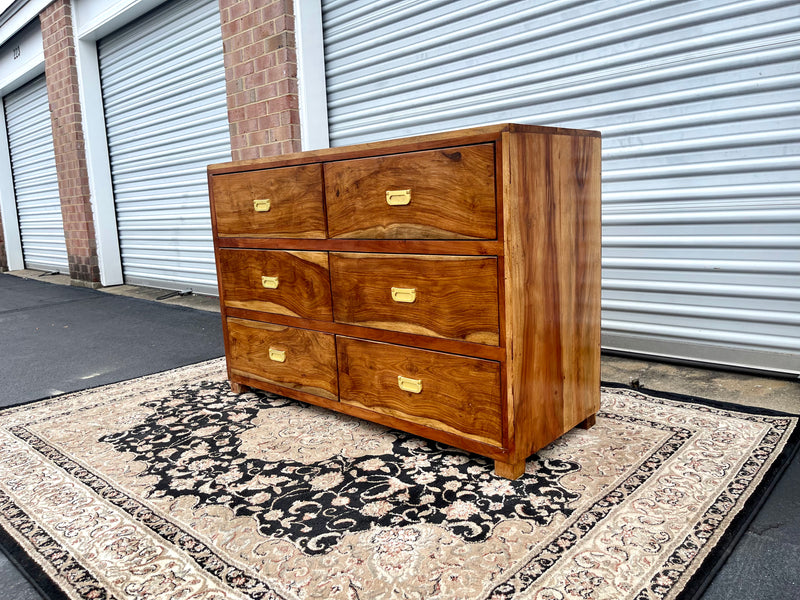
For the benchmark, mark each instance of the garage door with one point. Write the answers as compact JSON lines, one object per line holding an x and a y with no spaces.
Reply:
{"x":33,"y":165}
{"x":163,"y":84}
{"x":697,"y":102}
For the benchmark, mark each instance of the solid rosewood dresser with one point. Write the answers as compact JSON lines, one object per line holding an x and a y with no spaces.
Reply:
{"x":447,"y":285}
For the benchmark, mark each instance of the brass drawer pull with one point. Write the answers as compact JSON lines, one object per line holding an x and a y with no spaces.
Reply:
{"x":398,"y":197}
{"x":262,"y":205}
{"x":409,"y":385}
{"x":404,"y":294}
{"x":270,"y":283}
{"x":277,"y":355}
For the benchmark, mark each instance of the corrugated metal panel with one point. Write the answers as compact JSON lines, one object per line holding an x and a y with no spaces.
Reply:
{"x":163,"y":84}
{"x":697,"y":102}
{"x":33,"y":164}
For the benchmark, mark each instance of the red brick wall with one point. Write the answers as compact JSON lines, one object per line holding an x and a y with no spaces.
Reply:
{"x":261,"y":76}
{"x":73,"y":181}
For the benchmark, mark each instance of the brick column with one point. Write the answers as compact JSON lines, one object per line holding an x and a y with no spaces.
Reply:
{"x":261,"y":77}
{"x":65,"y":111}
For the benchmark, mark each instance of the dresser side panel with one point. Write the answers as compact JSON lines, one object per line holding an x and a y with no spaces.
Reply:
{"x":552,"y":270}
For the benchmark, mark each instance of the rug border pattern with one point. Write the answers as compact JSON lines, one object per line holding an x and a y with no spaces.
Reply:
{"x":775,"y":444}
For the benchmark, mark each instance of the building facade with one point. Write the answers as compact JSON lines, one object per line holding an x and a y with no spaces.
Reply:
{"x":113,"y":108}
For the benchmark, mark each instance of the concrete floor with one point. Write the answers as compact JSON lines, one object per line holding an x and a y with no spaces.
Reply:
{"x":200,"y":302}
{"x":764,"y":563}
{"x":775,"y":393}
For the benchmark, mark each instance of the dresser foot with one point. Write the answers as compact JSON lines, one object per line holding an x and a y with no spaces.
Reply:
{"x":588,"y":422}
{"x":509,"y":470}
{"x":239,"y":388}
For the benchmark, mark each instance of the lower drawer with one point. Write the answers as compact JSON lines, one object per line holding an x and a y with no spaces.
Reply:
{"x":442,"y":391}
{"x":286,"y":356}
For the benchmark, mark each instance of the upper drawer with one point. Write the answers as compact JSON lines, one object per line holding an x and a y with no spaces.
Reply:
{"x":452,"y":297}
{"x":284,"y":202}
{"x":275,"y":281}
{"x":435,"y":194}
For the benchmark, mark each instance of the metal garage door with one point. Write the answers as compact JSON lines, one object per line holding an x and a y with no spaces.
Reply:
{"x":33,"y":164}
{"x":163,"y":85}
{"x":700,"y":115}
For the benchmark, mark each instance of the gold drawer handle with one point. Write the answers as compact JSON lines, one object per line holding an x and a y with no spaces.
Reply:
{"x":409,"y":385}
{"x":398,"y":197}
{"x":270,"y":283}
{"x":277,"y":355}
{"x":262,"y":205}
{"x":404,"y":294}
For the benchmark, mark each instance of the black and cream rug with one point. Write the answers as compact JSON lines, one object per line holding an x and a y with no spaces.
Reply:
{"x":172,"y":487}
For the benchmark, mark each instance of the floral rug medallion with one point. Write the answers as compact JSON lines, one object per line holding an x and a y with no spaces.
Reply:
{"x":171,"y":486}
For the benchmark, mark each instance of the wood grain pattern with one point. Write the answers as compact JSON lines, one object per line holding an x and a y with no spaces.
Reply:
{"x":427,"y":342}
{"x":465,"y":247}
{"x":458,"y":394}
{"x":454,"y":439}
{"x":303,"y":282}
{"x":509,"y":470}
{"x":239,"y":388}
{"x":456,"y":296}
{"x":295,"y":194}
{"x":473,"y":135}
{"x":310,"y":364}
{"x":504,"y":330}
{"x":452,"y":195}
{"x":552,"y":262}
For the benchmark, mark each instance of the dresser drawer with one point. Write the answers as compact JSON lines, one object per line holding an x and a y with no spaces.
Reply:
{"x":452,"y":297}
{"x":443,"y":391}
{"x":276,"y":281}
{"x":283,"y":202}
{"x":294,"y":358}
{"x":435,"y":194}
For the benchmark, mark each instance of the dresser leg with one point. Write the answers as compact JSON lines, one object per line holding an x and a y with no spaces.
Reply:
{"x":509,"y":470}
{"x":588,"y":422}
{"x":238,"y":388}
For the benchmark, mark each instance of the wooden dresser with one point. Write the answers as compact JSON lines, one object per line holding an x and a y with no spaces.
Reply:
{"x":447,"y":285}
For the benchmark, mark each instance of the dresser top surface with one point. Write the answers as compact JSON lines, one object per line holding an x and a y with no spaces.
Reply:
{"x":461,"y":136}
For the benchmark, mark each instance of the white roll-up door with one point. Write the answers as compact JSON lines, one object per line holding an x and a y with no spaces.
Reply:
{"x":163,"y":84}
{"x":700,"y":113}
{"x":33,"y":165}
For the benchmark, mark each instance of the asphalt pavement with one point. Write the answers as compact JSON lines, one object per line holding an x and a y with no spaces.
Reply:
{"x":56,"y":339}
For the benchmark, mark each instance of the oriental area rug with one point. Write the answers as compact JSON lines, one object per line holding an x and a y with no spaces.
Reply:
{"x":172,"y":487}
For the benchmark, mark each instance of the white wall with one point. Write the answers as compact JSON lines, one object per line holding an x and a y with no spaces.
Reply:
{"x":21,"y":59}
{"x":28,"y":13}
{"x":94,"y":19}
{"x":311,"y":75}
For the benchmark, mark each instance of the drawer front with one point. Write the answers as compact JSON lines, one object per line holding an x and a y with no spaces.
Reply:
{"x":284,"y":202}
{"x":275,"y":281}
{"x":450,"y":195}
{"x":294,"y":358}
{"x":443,"y":391}
{"x":453,"y":297}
